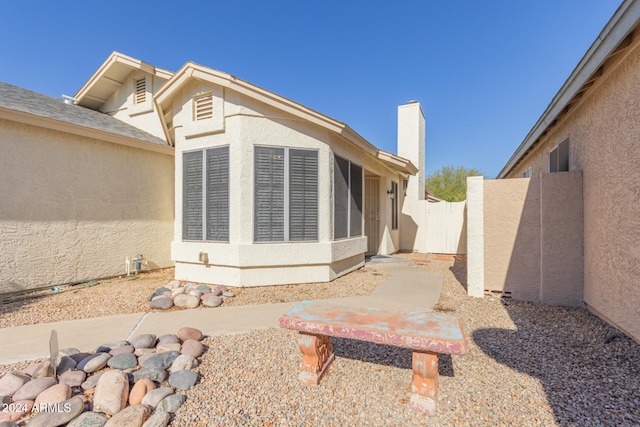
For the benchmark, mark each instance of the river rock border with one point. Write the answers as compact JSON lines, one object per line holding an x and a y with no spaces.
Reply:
{"x":135,"y":383}
{"x":188,"y":295}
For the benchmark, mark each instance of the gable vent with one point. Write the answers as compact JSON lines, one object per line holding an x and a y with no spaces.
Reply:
{"x":203,"y":107}
{"x":141,"y":91}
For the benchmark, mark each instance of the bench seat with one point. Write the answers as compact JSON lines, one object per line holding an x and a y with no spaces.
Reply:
{"x":427,"y":334}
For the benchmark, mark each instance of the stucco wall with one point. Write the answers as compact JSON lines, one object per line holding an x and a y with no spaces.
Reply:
{"x":73,"y":208}
{"x":242,"y":123}
{"x":604,"y":131}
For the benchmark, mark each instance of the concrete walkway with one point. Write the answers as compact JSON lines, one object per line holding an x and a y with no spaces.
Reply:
{"x":406,"y":289}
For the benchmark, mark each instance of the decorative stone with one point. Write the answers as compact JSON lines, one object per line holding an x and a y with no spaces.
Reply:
{"x":223,"y":288}
{"x":33,"y":388}
{"x":153,"y":397}
{"x":72,"y":378}
{"x":54,"y":394}
{"x":187,"y":333}
{"x":216,"y":291}
{"x":122,"y":350}
{"x":78,"y":357}
{"x":112,"y":392}
{"x":204,"y":288}
{"x":161,"y":303}
{"x":68,"y":351}
{"x":66,"y":364}
{"x":196,"y":293}
{"x":132,"y":416}
{"x":212,"y":301}
{"x":144,"y":357}
{"x":159,"y":419}
{"x":228,"y":294}
{"x":4,"y":401}
{"x":91,"y":381}
{"x":39,"y":369}
{"x":177,"y":292}
{"x":139,"y":390}
{"x":123,"y":361}
{"x":20,"y":409}
{"x":169,"y":339}
{"x":183,"y":380}
{"x":11,"y":382}
{"x":161,"y":360}
{"x":140,"y":351}
{"x":161,"y":348}
{"x":144,"y":341}
{"x":186,"y":301}
{"x":158,"y":291}
{"x":173,"y":284}
{"x":154,"y":374}
{"x":171,"y":403}
{"x":64,"y":412}
{"x":106,"y":348}
{"x":182,"y":362}
{"x":89,"y":419}
{"x":192,"y":348}
{"x":94,"y":363}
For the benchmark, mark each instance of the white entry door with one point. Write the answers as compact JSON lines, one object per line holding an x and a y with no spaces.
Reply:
{"x":372,"y":215}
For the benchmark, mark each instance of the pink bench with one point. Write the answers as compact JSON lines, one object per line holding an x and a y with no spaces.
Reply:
{"x":427,"y":334}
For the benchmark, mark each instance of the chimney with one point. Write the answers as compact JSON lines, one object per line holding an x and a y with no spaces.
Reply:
{"x":411,"y":146}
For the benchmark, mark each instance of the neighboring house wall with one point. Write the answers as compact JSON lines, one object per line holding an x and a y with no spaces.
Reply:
{"x":242,"y":124}
{"x":531,"y":237}
{"x":73,"y":208}
{"x":123,"y":106}
{"x":603,"y":134}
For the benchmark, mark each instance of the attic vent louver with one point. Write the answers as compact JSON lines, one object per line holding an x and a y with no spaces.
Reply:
{"x":141,"y":91}
{"x":203,"y":107}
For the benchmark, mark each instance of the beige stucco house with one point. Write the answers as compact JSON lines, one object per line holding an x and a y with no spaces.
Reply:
{"x":561,"y":225}
{"x":230,"y":182}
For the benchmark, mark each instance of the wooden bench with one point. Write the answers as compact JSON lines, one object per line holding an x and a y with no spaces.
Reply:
{"x":427,"y":334}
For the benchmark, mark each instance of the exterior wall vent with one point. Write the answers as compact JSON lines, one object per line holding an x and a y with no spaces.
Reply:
{"x":203,"y":107}
{"x":140,"y":95}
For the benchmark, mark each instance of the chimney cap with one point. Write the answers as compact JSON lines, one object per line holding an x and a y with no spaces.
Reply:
{"x":413,"y":101}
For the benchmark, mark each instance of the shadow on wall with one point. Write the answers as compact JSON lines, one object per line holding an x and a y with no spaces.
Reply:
{"x":459,"y":270}
{"x":588,"y":370}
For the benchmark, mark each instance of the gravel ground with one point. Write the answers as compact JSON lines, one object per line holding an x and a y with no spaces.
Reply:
{"x":123,"y":296}
{"x":527,"y":364}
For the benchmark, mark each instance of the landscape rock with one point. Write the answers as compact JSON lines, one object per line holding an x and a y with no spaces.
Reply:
{"x":159,"y":419}
{"x":68,"y":351}
{"x":112,"y":392}
{"x":161,"y":360}
{"x":154,"y":374}
{"x":54,"y":394}
{"x":158,"y":291}
{"x":94,"y":363}
{"x":204,"y":288}
{"x":228,"y":294}
{"x":182,"y":362}
{"x":122,"y":350}
{"x":192,"y":348}
{"x":108,"y":347}
{"x":91,"y":382}
{"x":223,"y":288}
{"x":20,"y":409}
{"x":78,"y":357}
{"x":123,"y":361}
{"x":169,"y":339}
{"x":11,"y":382}
{"x":72,"y":378}
{"x":65,"y":412}
{"x":195,"y":293}
{"x":171,"y":403}
{"x":39,"y":369}
{"x":141,"y":351}
{"x":4,"y":401}
{"x":161,"y":348}
{"x":8,"y":424}
{"x":131,"y":416}
{"x":66,"y":364}
{"x":183,"y":380}
{"x":89,"y":419}
{"x":187,"y":333}
{"x":212,"y":301}
{"x":31,"y":389}
{"x":144,"y":357}
{"x":139,"y":390}
{"x":173,"y":284}
{"x":144,"y":341}
{"x":153,"y":397}
{"x":216,"y":291}
{"x":161,"y":303}
{"x":176,"y":292}
{"x":186,"y":301}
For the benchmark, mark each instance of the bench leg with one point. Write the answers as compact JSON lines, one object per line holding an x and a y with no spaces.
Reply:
{"x":317,"y":355}
{"x":424,"y":388}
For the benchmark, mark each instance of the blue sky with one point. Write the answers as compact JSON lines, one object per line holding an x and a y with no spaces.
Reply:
{"x":484,"y":71}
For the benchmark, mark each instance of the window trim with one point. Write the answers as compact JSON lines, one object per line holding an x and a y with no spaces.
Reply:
{"x":362,"y":182}
{"x":204,"y":200}
{"x":287,"y":196}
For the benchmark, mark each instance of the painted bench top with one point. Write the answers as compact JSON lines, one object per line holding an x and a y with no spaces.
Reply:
{"x":431,"y":332}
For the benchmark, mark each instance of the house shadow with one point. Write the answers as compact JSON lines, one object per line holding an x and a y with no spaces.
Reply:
{"x":588,"y":371}
{"x":386,"y":355}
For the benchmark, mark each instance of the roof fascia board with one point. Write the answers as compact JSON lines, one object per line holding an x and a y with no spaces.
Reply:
{"x":48,"y":123}
{"x":398,"y":163}
{"x":620,"y":25}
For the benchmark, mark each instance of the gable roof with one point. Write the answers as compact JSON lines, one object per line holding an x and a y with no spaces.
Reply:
{"x":614,"y":43}
{"x":191,"y":71}
{"x":24,"y":106}
{"x":110,"y":76}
